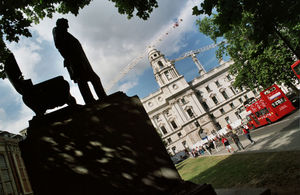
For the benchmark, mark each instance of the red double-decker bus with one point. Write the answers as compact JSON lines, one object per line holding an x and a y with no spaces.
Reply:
{"x":271,"y":106}
{"x":296,"y":68}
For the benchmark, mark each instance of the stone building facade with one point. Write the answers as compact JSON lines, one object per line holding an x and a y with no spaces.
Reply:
{"x":186,"y":112}
{"x":13,"y":175}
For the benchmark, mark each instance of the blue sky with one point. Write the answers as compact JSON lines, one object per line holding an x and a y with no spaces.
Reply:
{"x":111,"y":42}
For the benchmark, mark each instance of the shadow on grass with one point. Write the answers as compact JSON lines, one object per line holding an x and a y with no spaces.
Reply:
{"x":273,"y":170}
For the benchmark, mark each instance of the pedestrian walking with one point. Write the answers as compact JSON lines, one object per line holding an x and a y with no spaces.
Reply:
{"x":229,"y":128}
{"x":207,"y":149}
{"x":227,"y":144}
{"x":215,"y":145}
{"x":247,"y":134}
{"x":236,"y":140}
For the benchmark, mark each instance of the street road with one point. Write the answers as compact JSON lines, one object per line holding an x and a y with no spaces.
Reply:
{"x":282,"y":135}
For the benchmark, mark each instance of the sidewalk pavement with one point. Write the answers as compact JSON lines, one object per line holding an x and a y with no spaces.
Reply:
{"x":276,"y":138}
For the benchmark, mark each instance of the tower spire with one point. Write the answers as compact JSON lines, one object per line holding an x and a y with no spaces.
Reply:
{"x":164,"y":71}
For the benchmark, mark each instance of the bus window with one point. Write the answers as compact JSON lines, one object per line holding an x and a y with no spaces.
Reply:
{"x":296,"y":68}
{"x":258,"y":114}
{"x":254,"y":118}
{"x":264,"y":111}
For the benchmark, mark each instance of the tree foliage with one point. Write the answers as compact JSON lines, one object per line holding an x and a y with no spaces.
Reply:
{"x":143,"y":7}
{"x":262,"y":36}
{"x":16,"y":16}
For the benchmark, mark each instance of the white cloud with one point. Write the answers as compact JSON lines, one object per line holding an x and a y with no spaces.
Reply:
{"x":18,"y":124}
{"x":27,"y":55}
{"x":15,"y":125}
{"x":110,"y":41}
{"x":128,"y":85}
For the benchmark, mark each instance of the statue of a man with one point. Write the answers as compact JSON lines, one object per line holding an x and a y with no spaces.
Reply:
{"x":75,"y":60}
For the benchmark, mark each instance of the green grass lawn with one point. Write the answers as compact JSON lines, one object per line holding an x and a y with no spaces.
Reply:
{"x":278,"y":171}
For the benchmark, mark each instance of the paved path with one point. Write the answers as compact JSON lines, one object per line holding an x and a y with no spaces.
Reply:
{"x":283,"y":135}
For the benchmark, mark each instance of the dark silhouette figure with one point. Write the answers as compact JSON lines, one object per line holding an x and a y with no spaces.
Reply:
{"x":40,"y":97}
{"x":76,"y":61}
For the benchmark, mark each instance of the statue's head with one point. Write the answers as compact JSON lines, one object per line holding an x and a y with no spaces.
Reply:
{"x":62,"y":23}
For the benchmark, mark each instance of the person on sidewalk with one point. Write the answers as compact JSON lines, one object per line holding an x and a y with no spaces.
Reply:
{"x":247,"y":134}
{"x":236,"y":140}
{"x":229,"y":128}
{"x":207,"y":149}
{"x":215,"y":144}
{"x":227,"y":144}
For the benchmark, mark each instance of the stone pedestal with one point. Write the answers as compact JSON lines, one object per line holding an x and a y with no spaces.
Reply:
{"x":109,"y":147}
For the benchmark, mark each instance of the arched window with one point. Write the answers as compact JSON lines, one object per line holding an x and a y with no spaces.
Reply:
{"x":202,"y":134}
{"x":168,"y":75}
{"x":160,"y":64}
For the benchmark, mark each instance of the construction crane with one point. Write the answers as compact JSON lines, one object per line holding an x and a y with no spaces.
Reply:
{"x":136,"y":60}
{"x":193,"y":53}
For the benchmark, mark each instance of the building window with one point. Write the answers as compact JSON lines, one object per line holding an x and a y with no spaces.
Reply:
{"x":169,"y":140}
{"x":179,"y":134}
{"x":197,"y":124}
{"x":218,"y":126}
{"x":246,"y":97}
{"x":212,"y":116}
{"x":228,"y":77}
{"x":167,"y":112}
{"x":218,"y":84}
{"x":160,"y":64}
{"x":190,"y":112}
{"x":23,"y":173}
{"x":184,"y":144}
{"x":5,"y":178}
{"x":241,"y":101}
{"x":237,"y":115}
{"x":208,"y":89}
{"x":157,"y":118}
{"x":234,"y":91}
{"x":227,"y":120}
{"x":163,"y":129}
{"x":205,"y":106}
{"x":174,"y":149}
{"x":231,"y":105}
{"x":199,"y":93}
{"x":202,"y":134}
{"x":174,"y":125}
{"x":222,"y":111}
{"x":183,"y":100}
{"x":215,"y":100}
{"x":224,"y":94}
{"x":168,"y":75}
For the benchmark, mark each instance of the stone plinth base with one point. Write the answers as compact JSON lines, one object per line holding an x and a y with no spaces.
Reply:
{"x":109,"y":147}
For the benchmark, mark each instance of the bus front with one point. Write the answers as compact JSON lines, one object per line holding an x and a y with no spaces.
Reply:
{"x":277,"y":101}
